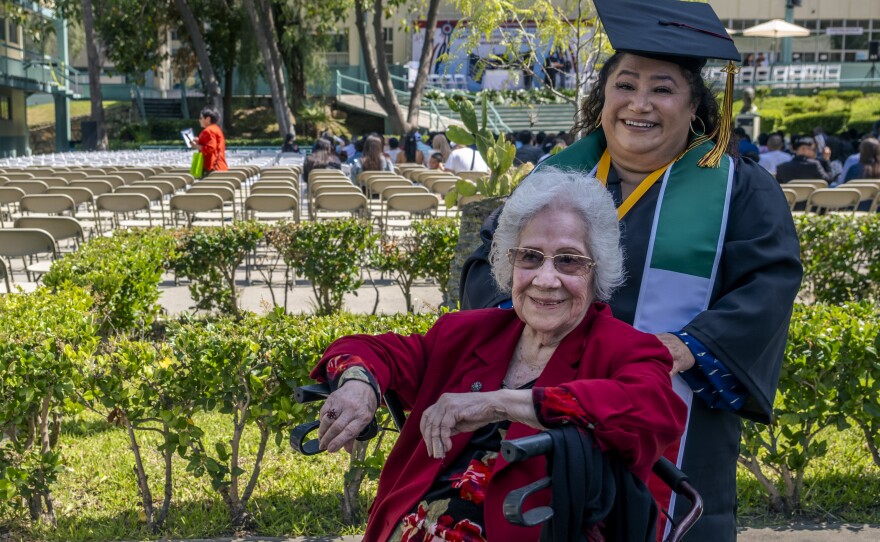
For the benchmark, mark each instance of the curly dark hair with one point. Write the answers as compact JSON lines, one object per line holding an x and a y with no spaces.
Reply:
{"x":702,"y":96}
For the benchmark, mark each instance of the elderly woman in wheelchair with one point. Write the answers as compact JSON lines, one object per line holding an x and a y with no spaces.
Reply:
{"x":559,"y":358}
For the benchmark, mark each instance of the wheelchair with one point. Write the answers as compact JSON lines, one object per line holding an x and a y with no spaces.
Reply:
{"x":512,"y":451}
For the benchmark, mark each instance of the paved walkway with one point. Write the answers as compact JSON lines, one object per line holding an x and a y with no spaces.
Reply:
{"x":426,"y":296}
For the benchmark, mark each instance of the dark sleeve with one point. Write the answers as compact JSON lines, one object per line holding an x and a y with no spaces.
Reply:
{"x":477,"y":288}
{"x":746,"y":325}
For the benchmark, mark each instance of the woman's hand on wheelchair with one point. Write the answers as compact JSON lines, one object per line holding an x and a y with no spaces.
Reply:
{"x":345,"y":413}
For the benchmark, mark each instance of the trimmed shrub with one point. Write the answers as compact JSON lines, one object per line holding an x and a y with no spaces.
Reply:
{"x":803,"y":123}
{"x":122,"y":273}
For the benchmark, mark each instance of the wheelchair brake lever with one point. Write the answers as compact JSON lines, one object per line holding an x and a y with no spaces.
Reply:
{"x":514,"y":501}
{"x":310,"y":447}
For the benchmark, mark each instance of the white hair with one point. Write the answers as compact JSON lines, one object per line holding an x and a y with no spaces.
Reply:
{"x":550,"y":187}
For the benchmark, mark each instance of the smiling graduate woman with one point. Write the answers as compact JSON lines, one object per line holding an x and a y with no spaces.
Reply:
{"x":712,"y":256}
{"x":477,"y":377}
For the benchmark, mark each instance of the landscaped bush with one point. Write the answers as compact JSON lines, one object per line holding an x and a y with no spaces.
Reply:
{"x":841,"y":257}
{"x":829,"y":379}
{"x":427,"y":253}
{"x":330,"y":254}
{"x":44,"y":337}
{"x":122,"y":273}
{"x":804,"y":123}
{"x":209,"y":257}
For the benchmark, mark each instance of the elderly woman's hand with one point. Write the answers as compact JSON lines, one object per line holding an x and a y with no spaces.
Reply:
{"x":456,"y":413}
{"x":682,"y":358}
{"x":345,"y":414}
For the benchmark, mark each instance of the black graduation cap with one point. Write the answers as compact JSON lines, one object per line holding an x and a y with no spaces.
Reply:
{"x":687,"y":33}
{"x":666,"y":28}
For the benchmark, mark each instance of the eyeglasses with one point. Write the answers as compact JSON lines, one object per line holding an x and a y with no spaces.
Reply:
{"x":567,"y":264}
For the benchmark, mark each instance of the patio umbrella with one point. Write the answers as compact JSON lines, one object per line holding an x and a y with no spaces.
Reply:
{"x":776,"y":28}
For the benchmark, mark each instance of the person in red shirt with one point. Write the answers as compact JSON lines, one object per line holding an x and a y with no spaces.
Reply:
{"x":212,"y":142}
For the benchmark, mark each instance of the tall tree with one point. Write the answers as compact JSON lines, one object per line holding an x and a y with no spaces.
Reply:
{"x":263,"y":22}
{"x":194,"y":31}
{"x":224,"y":34}
{"x":372,"y":40}
{"x":133,"y":33}
{"x":94,"y":67}
{"x":527,"y":27}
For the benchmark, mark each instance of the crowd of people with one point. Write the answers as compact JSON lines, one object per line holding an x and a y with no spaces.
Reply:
{"x":836,"y":159}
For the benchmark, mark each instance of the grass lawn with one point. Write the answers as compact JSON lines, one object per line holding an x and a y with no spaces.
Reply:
{"x":42,"y":114}
{"x":96,"y":497}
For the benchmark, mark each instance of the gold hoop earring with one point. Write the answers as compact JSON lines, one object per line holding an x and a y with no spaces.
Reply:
{"x":599,"y":122}
{"x":691,"y":126}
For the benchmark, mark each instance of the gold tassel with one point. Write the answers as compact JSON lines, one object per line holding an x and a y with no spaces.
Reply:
{"x":721,"y":134}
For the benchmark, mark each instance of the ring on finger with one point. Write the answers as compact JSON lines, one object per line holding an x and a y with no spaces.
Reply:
{"x":331,"y":414}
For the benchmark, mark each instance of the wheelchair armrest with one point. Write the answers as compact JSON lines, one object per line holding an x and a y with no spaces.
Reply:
{"x":311,"y":394}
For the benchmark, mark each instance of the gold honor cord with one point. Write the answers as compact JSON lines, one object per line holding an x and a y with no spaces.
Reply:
{"x":602,"y":175}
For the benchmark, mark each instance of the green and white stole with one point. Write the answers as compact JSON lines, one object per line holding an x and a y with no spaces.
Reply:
{"x":687,"y":236}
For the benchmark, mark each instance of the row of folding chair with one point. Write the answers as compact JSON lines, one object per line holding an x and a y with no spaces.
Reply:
{"x":814,"y":197}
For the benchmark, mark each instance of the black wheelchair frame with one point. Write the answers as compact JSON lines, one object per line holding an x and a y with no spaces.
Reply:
{"x":520,"y":449}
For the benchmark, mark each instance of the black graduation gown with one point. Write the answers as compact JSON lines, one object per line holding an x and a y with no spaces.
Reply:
{"x":746,"y":325}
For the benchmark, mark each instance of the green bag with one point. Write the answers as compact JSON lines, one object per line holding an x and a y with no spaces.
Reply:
{"x":198,"y":165}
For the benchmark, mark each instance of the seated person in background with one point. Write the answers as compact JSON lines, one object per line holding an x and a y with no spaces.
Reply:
{"x":868,"y":166}
{"x":478,"y":377}
{"x":745,"y":146}
{"x":804,"y":164}
{"x":372,"y":158}
{"x":464,"y":158}
{"x":436,"y":161}
{"x":322,"y":157}
{"x":411,"y":153}
{"x":393,"y":149}
{"x":527,"y":152}
{"x":774,"y":156}
{"x":290,"y":144}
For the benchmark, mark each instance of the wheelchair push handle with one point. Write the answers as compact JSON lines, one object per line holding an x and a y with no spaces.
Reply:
{"x":299,"y":436}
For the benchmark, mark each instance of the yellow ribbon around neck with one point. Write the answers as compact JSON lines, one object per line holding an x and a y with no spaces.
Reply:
{"x":602,"y":175}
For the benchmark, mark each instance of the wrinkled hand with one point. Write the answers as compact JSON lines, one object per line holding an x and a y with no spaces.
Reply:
{"x":345,"y":414}
{"x":457,"y":413}
{"x":682,"y":357}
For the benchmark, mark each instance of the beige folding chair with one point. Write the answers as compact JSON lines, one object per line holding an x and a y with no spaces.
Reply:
{"x":833,"y":199}
{"x":472,"y":175}
{"x":17,"y":175}
{"x":815,"y":183}
{"x":48,"y":204}
{"x":9,"y":199}
{"x":790,"y":197}
{"x":190,"y":205}
{"x":71,"y":176}
{"x":376,"y":185}
{"x":350,"y":203}
{"x":225,"y":193}
{"x":153,"y":193}
{"x":26,"y":244}
{"x":317,"y":174}
{"x":180,"y":182}
{"x":431,"y":178}
{"x":411,"y":204}
{"x":273,"y":190}
{"x":130,"y":176}
{"x":53,"y":182}
{"x":867,"y":191}
{"x":114,"y":180}
{"x":279,"y":207}
{"x":121,"y":209}
{"x":62,"y":228}
{"x":96,"y":187}
{"x":29,"y":187}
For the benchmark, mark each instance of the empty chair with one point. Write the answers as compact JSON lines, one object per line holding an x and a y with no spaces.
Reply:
{"x":62,"y":228}
{"x":17,"y":175}
{"x":26,"y":243}
{"x":29,"y":187}
{"x":272,"y":207}
{"x":48,"y":204}
{"x":130,"y":176}
{"x":790,"y":197}
{"x":180,"y":181}
{"x":353,"y":203}
{"x":225,"y":193}
{"x":95,"y":187}
{"x":473,"y":175}
{"x":122,"y":209}
{"x":153,"y":193}
{"x":316,"y":174}
{"x":114,"y":180}
{"x":53,"y":181}
{"x":412,"y":204}
{"x":9,"y":198}
{"x":802,"y":194}
{"x":833,"y":199}
{"x":274,"y":190}
{"x":190,"y":205}
{"x":377,"y":185}
{"x":815,"y":183}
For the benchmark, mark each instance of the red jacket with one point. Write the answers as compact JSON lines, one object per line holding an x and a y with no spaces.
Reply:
{"x":620,"y":377}
{"x":213,"y":148}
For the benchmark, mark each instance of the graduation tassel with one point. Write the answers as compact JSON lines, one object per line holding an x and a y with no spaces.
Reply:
{"x":721,"y":134}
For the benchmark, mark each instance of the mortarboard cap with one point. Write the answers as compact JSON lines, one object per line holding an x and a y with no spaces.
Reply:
{"x":666,"y":28}
{"x":686,"y":33}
